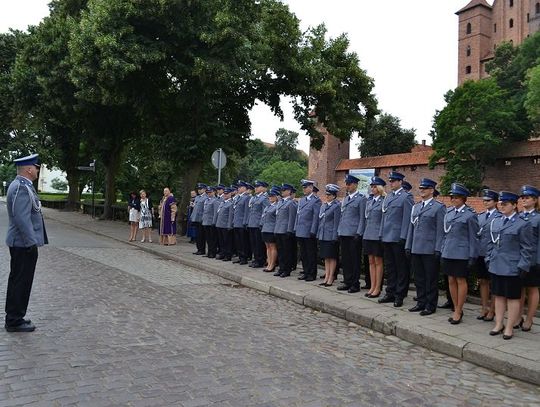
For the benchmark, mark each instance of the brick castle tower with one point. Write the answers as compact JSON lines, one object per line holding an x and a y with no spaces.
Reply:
{"x":482,"y":27}
{"x":323,"y":162}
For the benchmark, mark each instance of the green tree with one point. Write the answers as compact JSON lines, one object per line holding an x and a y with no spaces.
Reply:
{"x":471,"y":131}
{"x":287,"y":146}
{"x":8,"y":172}
{"x":283,"y":172}
{"x":532,"y":100}
{"x":59,"y":184}
{"x":386,"y":136}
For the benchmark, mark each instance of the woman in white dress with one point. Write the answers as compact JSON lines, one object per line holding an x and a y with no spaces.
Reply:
{"x":145,"y":222}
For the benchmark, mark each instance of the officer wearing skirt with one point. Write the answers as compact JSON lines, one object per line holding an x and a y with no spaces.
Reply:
{"x":529,"y":200}
{"x":327,"y":233}
{"x":490,"y":199}
{"x":460,"y":247}
{"x":371,"y":243}
{"x":508,"y":259}
{"x":268,"y":225}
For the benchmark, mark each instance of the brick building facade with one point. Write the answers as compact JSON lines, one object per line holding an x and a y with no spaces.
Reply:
{"x":483,"y":26}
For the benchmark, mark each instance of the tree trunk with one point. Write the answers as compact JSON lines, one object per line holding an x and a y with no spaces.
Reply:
{"x":72,"y":176}
{"x":188,"y":182}
{"x":111,"y":169}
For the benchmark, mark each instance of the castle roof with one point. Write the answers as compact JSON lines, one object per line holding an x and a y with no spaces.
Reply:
{"x":472,"y":4}
{"x":529,"y":148}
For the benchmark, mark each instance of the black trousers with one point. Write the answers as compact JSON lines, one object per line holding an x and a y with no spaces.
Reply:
{"x":308,"y":254}
{"x":351,"y":260}
{"x":225,"y":237}
{"x":21,"y":276}
{"x":241,"y":243}
{"x":397,"y":270}
{"x":200,"y":239}
{"x":426,"y":277}
{"x":257,"y":246}
{"x":286,"y":251}
{"x":211,"y":239}
{"x":365,"y":263}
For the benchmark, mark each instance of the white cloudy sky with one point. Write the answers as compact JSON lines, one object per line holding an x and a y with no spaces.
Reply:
{"x":409,"y":47}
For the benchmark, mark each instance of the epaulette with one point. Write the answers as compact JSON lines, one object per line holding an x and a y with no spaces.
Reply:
{"x":470,"y":209}
{"x":450,"y":209}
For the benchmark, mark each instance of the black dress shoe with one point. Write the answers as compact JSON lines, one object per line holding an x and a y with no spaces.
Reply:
{"x":242,"y":262}
{"x":353,"y":290}
{"x":236,"y":261}
{"x":211,"y":256}
{"x":385,"y":299}
{"x":495,"y":333}
{"x":283,"y":275}
{"x":219,"y":257}
{"x":416,"y":308}
{"x":24,"y":327}
{"x":343,"y":287}
{"x":310,"y":278}
{"x":446,"y":305}
{"x":426,"y":312}
{"x":322,"y":284}
{"x":257,"y":266}
{"x":277,"y":273}
{"x":198,"y":253}
{"x":374,"y":296}
{"x":398,"y":303}
{"x":302,"y":277}
{"x":415,"y":298}
{"x":226,"y":259}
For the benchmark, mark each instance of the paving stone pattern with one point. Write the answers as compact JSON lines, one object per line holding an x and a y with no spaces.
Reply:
{"x":118,"y":326}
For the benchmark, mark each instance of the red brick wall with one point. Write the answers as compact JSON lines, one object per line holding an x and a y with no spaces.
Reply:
{"x":511,"y":177}
{"x":323,"y":163}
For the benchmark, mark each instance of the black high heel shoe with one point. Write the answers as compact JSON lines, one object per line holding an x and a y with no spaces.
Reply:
{"x":269,"y":270}
{"x":495,"y":333}
{"x":520,"y":324}
{"x":322,"y":284}
{"x":456,"y":321}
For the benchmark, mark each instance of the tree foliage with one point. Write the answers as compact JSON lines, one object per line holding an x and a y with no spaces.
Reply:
{"x":386,"y":136}
{"x":471,"y":131}
{"x":532,"y":100}
{"x":281,"y":172}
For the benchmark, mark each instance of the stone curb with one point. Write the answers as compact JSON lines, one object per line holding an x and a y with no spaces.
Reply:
{"x":370,"y":315}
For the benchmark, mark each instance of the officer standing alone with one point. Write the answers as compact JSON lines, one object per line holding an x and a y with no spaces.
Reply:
{"x":26,"y":232}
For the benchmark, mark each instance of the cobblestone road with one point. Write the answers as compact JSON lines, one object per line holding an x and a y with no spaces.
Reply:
{"x":117,"y":326}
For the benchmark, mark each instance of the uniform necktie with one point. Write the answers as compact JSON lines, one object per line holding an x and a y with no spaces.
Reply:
{"x":487,"y":215}
{"x":423,"y":204}
{"x":505,"y":221}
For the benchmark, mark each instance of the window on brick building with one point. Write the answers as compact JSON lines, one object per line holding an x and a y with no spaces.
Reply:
{"x":468,"y":69}
{"x":511,"y":3}
{"x":508,"y":163}
{"x":528,"y":17}
{"x":469,"y":51}
{"x":494,"y":28}
{"x":511,"y":23}
{"x":413,"y":167}
{"x":536,"y":160}
{"x":538,"y":8}
{"x":469,"y":28}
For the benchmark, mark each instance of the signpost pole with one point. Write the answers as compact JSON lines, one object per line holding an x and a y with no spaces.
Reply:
{"x":219,"y":167}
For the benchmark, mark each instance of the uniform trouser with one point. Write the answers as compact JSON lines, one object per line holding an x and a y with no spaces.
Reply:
{"x":21,"y":276}
{"x":211,"y":239}
{"x":285,"y":246}
{"x":225,"y":237}
{"x":397,"y":270}
{"x":257,"y":246}
{"x":241,"y":243}
{"x":308,"y":254}
{"x":426,"y":277}
{"x":351,"y":260}
{"x":200,"y":239}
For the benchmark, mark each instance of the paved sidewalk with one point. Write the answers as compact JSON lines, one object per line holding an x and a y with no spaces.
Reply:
{"x":518,"y":358}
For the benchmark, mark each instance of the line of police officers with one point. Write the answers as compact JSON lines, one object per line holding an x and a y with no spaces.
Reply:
{"x":420,"y":239}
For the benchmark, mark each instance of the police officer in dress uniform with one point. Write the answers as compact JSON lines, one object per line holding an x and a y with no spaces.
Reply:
{"x":371,"y":243}
{"x":224,"y":223}
{"x":284,"y":231}
{"x":257,"y":203}
{"x":396,"y":219}
{"x":210,"y":207}
{"x":196,"y":218}
{"x":529,"y":199}
{"x":307,"y":221}
{"x":351,"y":228}
{"x":268,"y":225}
{"x":460,"y":247}
{"x":508,"y":259}
{"x":423,"y":246}
{"x":490,"y":199}
{"x":241,"y":211}
{"x":327,"y":233}
{"x":26,"y":232}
